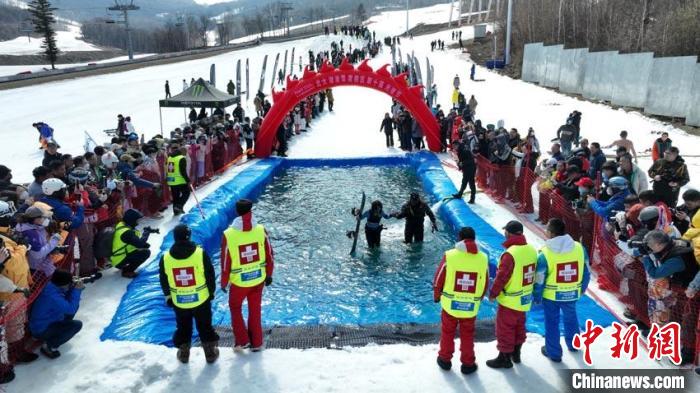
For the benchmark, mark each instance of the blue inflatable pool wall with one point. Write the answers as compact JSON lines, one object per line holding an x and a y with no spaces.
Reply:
{"x":143,"y":316}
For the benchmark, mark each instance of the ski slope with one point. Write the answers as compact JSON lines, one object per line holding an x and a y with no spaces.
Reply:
{"x":67,"y":40}
{"x":92,"y":103}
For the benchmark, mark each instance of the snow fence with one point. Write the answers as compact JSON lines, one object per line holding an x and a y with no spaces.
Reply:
{"x":666,"y":86}
{"x":142,"y":314}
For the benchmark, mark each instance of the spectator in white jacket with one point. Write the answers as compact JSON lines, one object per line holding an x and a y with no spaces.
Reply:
{"x":636,"y":177}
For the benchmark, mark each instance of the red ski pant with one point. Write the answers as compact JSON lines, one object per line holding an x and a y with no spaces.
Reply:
{"x":466,"y":338}
{"x":510,"y":329}
{"x":253,"y":334}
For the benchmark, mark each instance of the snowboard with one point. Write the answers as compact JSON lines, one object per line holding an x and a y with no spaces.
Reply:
{"x":356,"y":234}
{"x":291,"y":65}
{"x":284,"y":68}
{"x":238,"y":80}
{"x":393,"y":60}
{"x":262,"y":74}
{"x":274,"y":71}
{"x":247,"y":81}
{"x":212,"y":74}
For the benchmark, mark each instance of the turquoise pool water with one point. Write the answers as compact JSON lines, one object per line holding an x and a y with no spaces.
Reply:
{"x":307,"y":213}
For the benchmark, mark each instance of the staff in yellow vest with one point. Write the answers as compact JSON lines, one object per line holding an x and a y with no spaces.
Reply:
{"x":130,"y":248}
{"x":177,"y":179}
{"x":247,"y":263}
{"x":562,"y":278}
{"x":512,"y":288}
{"x":188,"y":282}
{"x":459,"y":285}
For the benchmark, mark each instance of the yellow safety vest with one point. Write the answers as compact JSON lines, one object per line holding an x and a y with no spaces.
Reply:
{"x":188,"y":285}
{"x":247,"y":251}
{"x":517,"y":293}
{"x":173,"y":175}
{"x":120,"y":249}
{"x":564,"y":274}
{"x":465,"y":283}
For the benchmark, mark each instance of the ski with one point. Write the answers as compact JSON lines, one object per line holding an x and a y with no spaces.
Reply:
{"x":238,"y":80}
{"x":356,"y":234}
{"x":247,"y":81}
{"x":212,"y":75}
{"x":284,"y":68}
{"x":291,"y":66}
{"x":417,"y":71}
{"x":262,"y":74}
{"x":393,"y":60}
{"x":274,"y":71}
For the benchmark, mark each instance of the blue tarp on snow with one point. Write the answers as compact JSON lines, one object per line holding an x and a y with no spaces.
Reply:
{"x":143,"y":316}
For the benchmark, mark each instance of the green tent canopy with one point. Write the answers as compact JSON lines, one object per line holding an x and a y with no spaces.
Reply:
{"x":200,"y":95}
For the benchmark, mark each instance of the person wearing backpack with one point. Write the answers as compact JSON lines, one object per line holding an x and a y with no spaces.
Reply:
{"x":130,"y":248}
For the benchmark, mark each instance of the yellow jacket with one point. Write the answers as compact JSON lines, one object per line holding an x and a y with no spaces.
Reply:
{"x":693,"y":235}
{"x":17,"y":267}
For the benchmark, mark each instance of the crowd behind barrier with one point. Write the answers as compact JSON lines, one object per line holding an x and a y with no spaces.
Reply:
{"x":618,"y":271}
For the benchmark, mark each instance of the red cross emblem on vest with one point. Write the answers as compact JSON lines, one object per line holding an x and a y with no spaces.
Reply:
{"x":567,"y":272}
{"x":184,"y":277}
{"x":528,"y":274}
{"x":465,"y":282}
{"x":171,"y":167}
{"x":248,"y":253}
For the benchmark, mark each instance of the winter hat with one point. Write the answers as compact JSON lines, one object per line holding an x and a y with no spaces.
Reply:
{"x":61,"y":278}
{"x":182,"y":233}
{"x":243,"y":206}
{"x":131,"y":217}
{"x":33,"y":212}
{"x":79,"y":175}
{"x":126,"y":158}
{"x":585,"y":182}
{"x":649,"y":213}
{"x":514,"y":227}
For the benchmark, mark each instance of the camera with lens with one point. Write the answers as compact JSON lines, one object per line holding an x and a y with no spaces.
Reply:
{"x":151,"y":230}
{"x":87,"y":280}
{"x":639,"y":245}
{"x":61,"y":249}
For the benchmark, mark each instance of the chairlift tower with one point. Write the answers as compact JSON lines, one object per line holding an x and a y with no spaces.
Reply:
{"x":124,"y":8}
{"x":284,"y":10}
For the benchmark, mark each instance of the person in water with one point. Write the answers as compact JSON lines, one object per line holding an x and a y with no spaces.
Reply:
{"x":373,"y":227}
{"x":414,"y":211}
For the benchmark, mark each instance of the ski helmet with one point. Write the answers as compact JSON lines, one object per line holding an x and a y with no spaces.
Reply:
{"x":649,"y":213}
{"x":110,"y":160}
{"x":618,"y":183}
{"x":7,"y":209}
{"x":79,"y":175}
{"x":50,"y":186}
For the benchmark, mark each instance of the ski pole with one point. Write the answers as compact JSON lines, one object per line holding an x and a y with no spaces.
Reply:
{"x":197,"y":200}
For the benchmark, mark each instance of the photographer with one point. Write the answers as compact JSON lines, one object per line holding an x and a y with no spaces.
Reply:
{"x":51,"y":319}
{"x":687,"y":216}
{"x":670,"y":174}
{"x":55,"y":195}
{"x":34,"y":227}
{"x":129,"y":247}
{"x":670,"y":263}
{"x":617,"y":189}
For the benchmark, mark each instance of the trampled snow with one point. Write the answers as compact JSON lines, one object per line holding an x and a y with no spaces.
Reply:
{"x":92,"y":103}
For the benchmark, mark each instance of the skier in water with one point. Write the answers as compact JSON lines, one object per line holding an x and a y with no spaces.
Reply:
{"x":414,"y":211}
{"x":373,"y":227}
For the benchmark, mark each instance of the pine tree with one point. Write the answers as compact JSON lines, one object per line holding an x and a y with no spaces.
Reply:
{"x":360,"y":13}
{"x":44,"y":20}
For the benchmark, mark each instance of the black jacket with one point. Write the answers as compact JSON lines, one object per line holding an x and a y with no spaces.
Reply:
{"x":182,"y":251}
{"x":48,"y":158}
{"x":416,"y":215}
{"x":387,"y":126}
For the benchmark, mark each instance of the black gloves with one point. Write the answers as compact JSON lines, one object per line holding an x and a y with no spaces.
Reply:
{"x":268,"y":281}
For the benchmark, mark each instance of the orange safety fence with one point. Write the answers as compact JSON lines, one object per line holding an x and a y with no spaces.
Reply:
{"x":617,"y":271}
{"x":14,"y":315}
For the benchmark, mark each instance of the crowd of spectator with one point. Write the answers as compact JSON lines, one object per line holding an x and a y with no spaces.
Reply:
{"x":660,"y":236}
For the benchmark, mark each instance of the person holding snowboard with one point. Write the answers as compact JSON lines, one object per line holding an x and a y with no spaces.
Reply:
{"x":373,"y":227}
{"x":414,"y":211}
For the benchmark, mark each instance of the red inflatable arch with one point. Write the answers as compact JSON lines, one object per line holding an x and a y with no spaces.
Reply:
{"x":346,"y":75}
